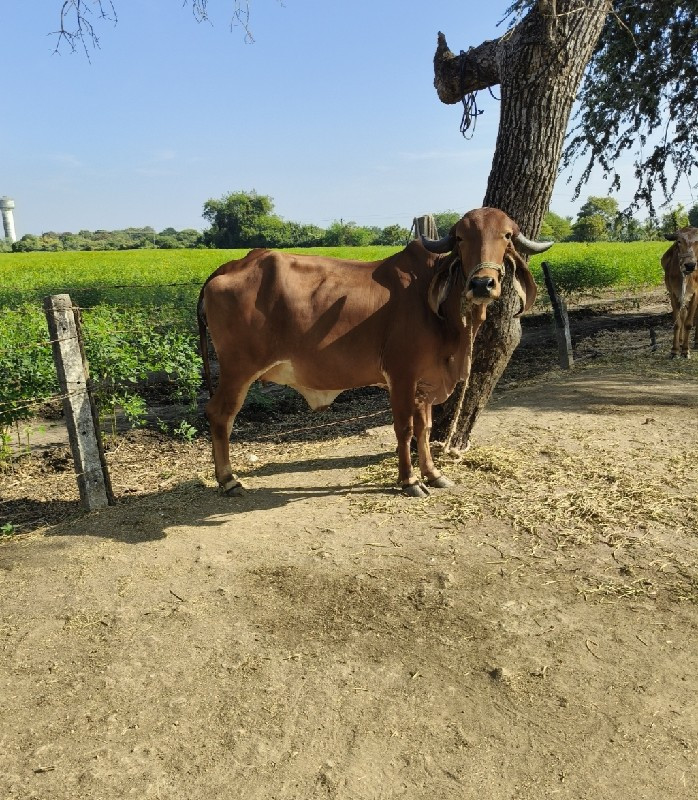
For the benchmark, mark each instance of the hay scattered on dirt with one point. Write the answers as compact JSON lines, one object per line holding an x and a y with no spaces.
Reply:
{"x":575,"y":499}
{"x":452,"y":510}
{"x":581,"y":498}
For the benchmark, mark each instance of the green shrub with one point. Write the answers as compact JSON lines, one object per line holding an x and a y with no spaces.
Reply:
{"x":578,"y":267}
{"x":26,"y":364}
{"x":124,"y":346}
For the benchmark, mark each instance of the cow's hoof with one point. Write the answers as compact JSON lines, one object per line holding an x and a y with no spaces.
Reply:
{"x":415,"y":490}
{"x":236,"y":490}
{"x":685,"y":355}
{"x":673,"y":355}
{"x":442,"y":482}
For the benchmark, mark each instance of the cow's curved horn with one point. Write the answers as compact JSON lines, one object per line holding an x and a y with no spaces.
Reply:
{"x":444,"y":245}
{"x":530,"y":247}
{"x":672,"y":237}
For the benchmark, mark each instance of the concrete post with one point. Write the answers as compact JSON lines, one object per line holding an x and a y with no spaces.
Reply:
{"x":78,"y":408}
{"x":7,"y":206}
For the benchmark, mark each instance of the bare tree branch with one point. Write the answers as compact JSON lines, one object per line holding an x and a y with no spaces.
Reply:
{"x":241,"y":18}
{"x":77,"y":19}
{"x":76,"y":29}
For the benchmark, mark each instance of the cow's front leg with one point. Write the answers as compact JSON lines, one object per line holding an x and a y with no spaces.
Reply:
{"x":689,"y":321}
{"x":402,"y":402}
{"x":682,"y":330}
{"x":422,"y":430}
{"x":676,"y":340}
{"x":686,"y":342}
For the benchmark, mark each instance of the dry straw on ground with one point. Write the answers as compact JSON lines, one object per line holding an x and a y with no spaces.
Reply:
{"x":575,"y":499}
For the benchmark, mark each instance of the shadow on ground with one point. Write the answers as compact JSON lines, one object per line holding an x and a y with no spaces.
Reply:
{"x":146,"y":517}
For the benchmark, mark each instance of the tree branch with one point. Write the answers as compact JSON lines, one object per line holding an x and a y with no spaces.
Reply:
{"x":76,"y":28}
{"x":457,"y":75}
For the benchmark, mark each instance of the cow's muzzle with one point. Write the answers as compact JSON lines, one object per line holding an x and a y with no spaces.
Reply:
{"x":689,"y":267}
{"x":482,"y":288}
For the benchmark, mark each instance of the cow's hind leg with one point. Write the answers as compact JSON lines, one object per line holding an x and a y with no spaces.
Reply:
{"x":676,"y":314}
{"x":221,"y":411}
{"x":422,"y":430}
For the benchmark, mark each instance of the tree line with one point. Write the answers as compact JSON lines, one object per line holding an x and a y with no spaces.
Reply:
{"x":126,"y":239}
{"x":237,"y":220}
{"x":601,"y":220}
{"x":246,"y":219}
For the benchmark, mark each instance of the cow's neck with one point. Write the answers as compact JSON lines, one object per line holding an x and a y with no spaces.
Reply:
{"x":463,"y":318}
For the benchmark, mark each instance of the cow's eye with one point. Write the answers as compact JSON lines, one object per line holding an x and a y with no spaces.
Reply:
{"x":507,"y":236}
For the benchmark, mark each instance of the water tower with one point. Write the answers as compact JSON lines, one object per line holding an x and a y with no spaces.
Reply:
{"x":7,"y":206}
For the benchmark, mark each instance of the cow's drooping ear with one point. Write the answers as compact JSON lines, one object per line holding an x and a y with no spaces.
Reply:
{"x":441,"y":284}
{"x":671,"y":237}
{"x":524,"y":284}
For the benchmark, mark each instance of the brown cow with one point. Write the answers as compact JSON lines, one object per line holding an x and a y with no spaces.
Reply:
{"x":322,"y":325}
{"x":681,"y":279}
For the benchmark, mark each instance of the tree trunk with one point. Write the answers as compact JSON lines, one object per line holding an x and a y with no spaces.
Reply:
{"x":540,"y":64}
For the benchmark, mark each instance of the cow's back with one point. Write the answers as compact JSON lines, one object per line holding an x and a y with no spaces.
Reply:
{"x":332,"y":319}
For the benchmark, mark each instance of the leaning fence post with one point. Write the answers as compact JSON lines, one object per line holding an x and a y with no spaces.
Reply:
{"x":562,"y":322}
{"x":78,"y":406}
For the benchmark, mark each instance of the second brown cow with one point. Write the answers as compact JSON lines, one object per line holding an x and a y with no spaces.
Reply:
{"x":681,"y":279}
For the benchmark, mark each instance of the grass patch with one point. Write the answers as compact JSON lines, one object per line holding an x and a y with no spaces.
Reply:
{"x":134,"y":276}
{"x":94,"y":277}
{"x":140,"y":304}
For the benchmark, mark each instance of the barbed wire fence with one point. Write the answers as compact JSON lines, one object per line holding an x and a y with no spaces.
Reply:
{"x":76,"y":390}
{"x":579,"y":323}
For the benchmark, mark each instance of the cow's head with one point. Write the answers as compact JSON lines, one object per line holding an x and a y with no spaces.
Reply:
{"x":686,"y":248}
{"x":485,"y":241}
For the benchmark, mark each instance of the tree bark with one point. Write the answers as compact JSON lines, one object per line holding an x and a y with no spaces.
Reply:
{"x":539,"y":66}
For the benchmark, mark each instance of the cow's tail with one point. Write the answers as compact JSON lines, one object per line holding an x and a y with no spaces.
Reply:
{"x":203,"y":339}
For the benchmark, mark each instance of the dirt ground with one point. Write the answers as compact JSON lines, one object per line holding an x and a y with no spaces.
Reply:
{"x":530,"y":634}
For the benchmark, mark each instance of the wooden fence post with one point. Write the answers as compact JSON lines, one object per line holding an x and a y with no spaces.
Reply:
{"x":425,"y":225}
{"x":562,"y":322}
{"x":78,"y":405}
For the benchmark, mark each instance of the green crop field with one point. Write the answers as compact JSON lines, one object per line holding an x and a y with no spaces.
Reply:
{"x":126,"y":276}
{"x":598,"y":265}
{"x":92,"y":277}
{"x":139,"y":311}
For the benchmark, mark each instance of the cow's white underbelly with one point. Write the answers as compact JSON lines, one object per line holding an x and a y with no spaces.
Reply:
{"x":284,"y":374}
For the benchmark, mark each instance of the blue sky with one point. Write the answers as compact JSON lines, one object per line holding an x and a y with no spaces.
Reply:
{"x":331,"y":112}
